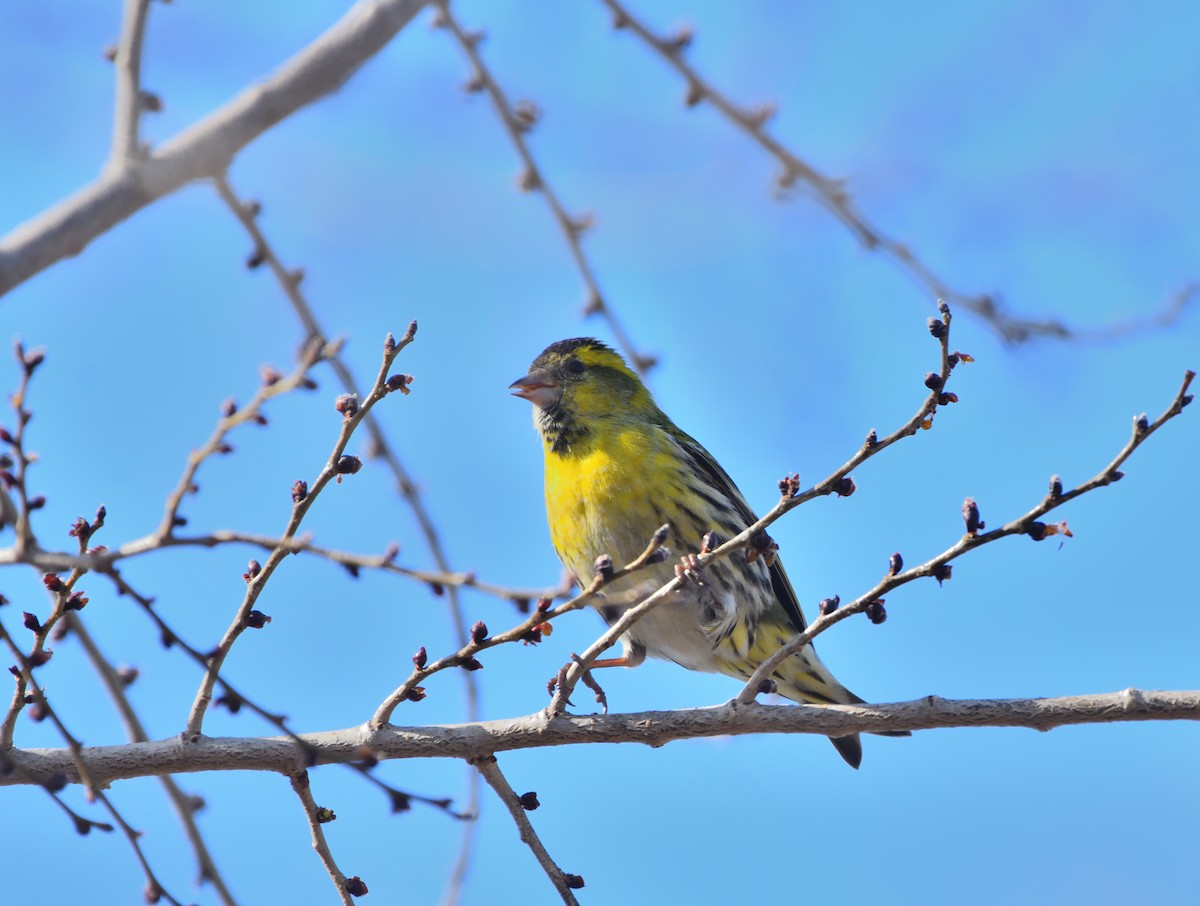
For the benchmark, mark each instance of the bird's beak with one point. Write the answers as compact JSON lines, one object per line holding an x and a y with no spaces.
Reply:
{"x":537,"y":387}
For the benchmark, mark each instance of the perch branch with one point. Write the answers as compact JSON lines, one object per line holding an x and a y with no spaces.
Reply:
{"x":652,"y":728}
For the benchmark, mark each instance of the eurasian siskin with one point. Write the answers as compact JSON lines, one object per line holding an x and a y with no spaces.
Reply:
{"x":616,"y":469}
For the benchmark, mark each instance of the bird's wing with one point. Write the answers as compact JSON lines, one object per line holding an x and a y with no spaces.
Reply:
{"x":704,"y":461}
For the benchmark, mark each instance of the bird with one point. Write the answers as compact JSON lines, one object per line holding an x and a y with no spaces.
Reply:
{"x":617,"y":468}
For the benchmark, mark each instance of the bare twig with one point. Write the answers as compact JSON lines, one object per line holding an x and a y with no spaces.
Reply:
{"x":104,"y":561}
{"x":183,"y":804}
{"x":29,"y":360}
{"x":1027,"y":524}
{"x":337,"y":465}
{"x":517,"y":122}
{"x":318,"y":816}
{"x":290,"y":282}
{"x":65,"y":599}
{"x":563,"y":882}
{"x":452,"y":892}
{"x":235,"y":700}
{"x":82,"y":825}
{"x":95,"y":790}
{"x":273,"y":385}
{"x":575,"y":671}
{"x":529,"y":631}
{"x":129,"y":103}
{"x":32,"y":689}
{"x":832,"y":195}
{"x":361,"y":760}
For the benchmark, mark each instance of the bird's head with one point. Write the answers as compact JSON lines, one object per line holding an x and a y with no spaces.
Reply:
{"x":576,"y":384}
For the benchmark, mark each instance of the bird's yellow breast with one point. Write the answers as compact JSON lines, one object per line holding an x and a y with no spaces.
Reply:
{"x":607,"y":498}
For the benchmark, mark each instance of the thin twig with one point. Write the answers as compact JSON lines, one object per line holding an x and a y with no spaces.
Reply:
{"x":290,"y":281}
{"x":517,"y":122}
{"x":234,"y":699}
{"x":832,"y":195}
{"x":29,"y":361}
{"x":82,"y":825}
{"x":129,"y":102}
{"x":452,"y":892}
{"x":563,"y":882}
{"x":361,"y":760}
{"x":1027,"y":524}
{"x":104,"y":561}
{"x":65,"y":598}
{"x":257,"y":577}
{"x":33,"y":690}
{"x":318,"y":816}
{"x":95,"y":790}
{"x":528,"y":631}
{"x":313,"y":352}
{"x":181,"y":802}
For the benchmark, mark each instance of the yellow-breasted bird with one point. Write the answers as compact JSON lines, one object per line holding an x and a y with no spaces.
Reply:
{"x":616,"y":469}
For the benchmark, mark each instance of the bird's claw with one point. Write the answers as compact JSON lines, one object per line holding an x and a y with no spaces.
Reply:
{"x":690,"y":570}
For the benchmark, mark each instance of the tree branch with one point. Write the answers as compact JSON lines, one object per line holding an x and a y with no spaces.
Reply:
{"x":529,"y":631}
{"x":335,"y":467}
{"x":185,"y":806}
{"x":380,"y":448}
{"x":517,"y":122}
{"x":563,"y":882}
{"x":938,"y":567}
{"x":205,"y":148}
{"x":833,"y":196}
{"x":317,"y":817}
{"x":154,"y":890}
{"x":128,"y":105}
{"x":653,"y":728}
{"x":106,"y":560}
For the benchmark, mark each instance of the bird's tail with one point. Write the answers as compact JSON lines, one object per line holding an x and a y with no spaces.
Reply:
{"x":803,"y":678}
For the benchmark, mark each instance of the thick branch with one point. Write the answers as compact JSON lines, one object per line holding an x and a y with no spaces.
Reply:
{"x":653,"y":728}
{"x":205,"y":148}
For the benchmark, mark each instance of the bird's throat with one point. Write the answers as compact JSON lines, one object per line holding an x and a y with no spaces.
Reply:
{"x":563,"y":434}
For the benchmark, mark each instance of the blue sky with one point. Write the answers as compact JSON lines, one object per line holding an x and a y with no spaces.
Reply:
{"x":1043,"y":153}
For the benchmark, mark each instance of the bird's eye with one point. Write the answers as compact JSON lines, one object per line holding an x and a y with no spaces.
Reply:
{"x":575,"y":366}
